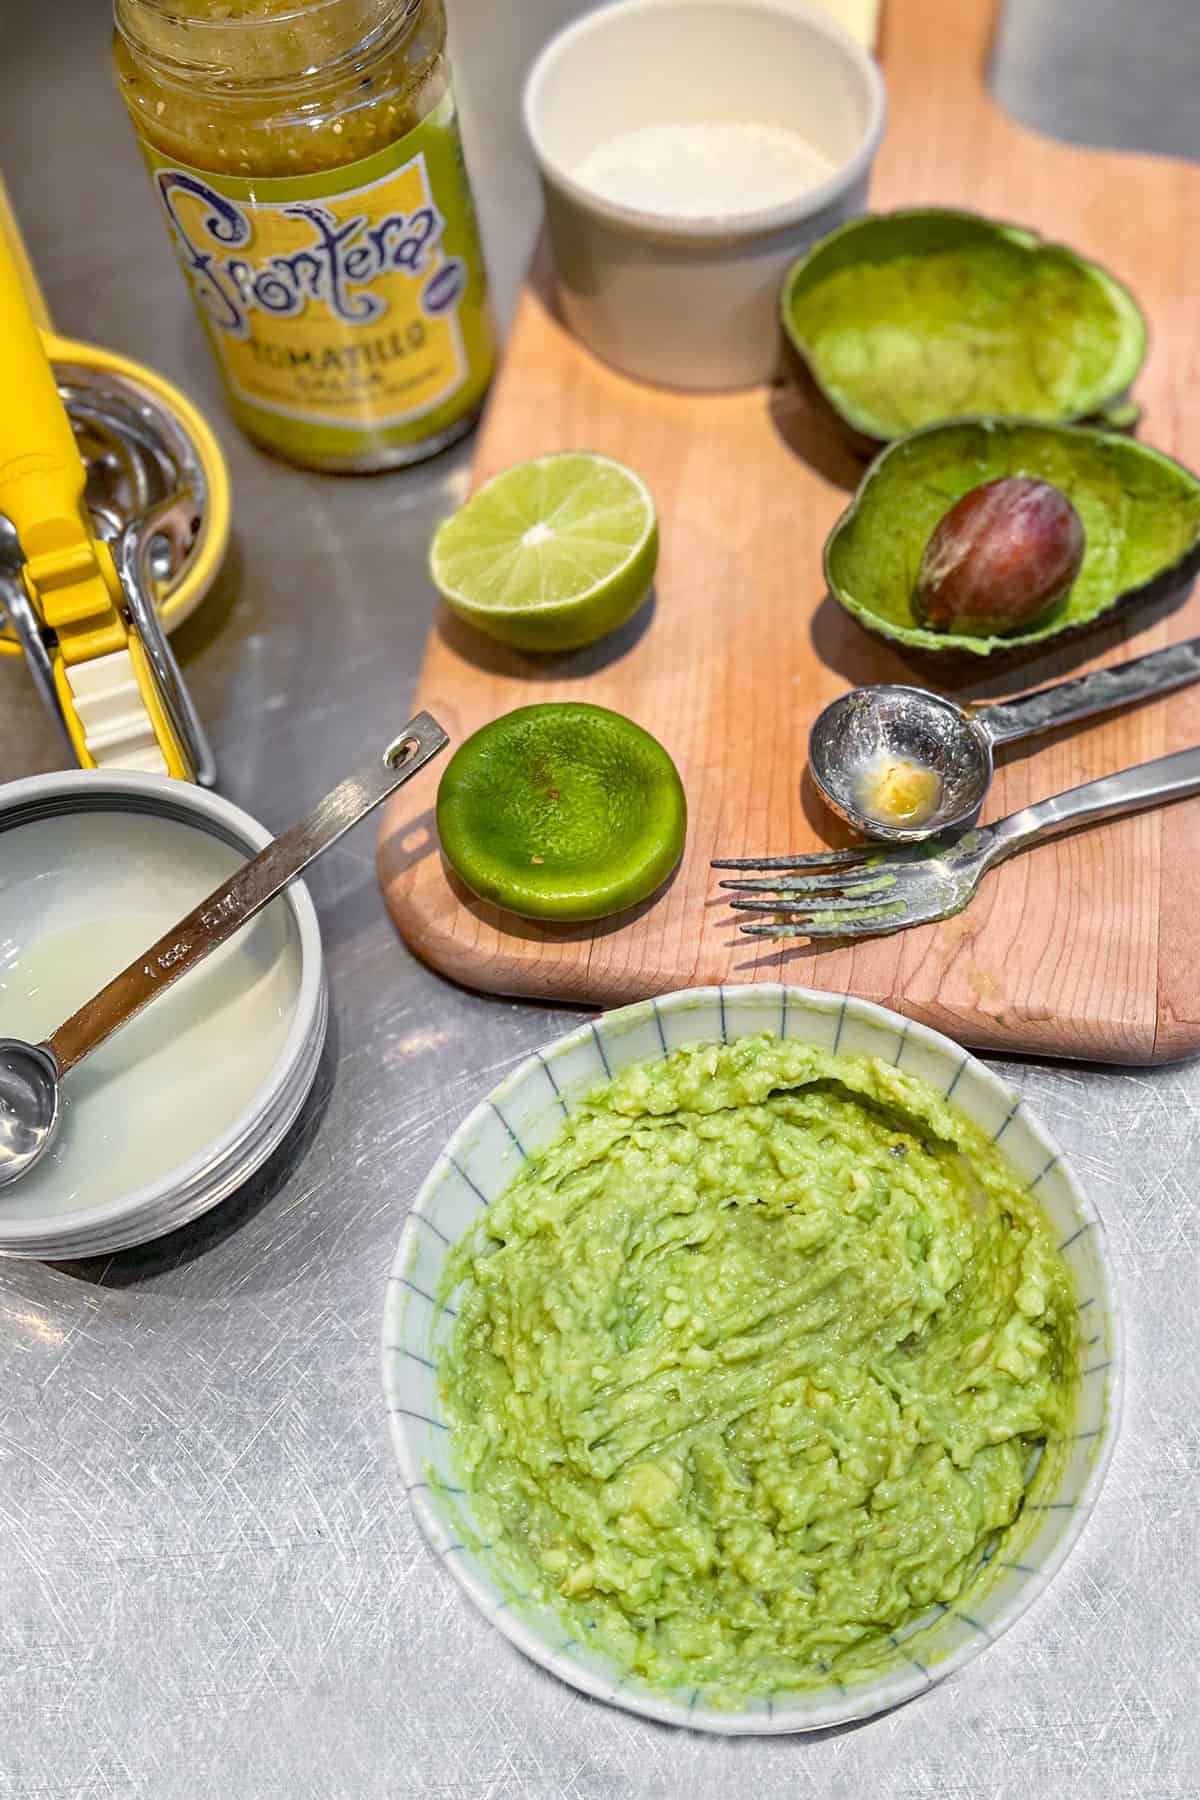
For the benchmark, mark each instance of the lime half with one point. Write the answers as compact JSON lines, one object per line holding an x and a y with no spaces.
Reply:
{"x":551,"y":554}
{"x":562,"y":811}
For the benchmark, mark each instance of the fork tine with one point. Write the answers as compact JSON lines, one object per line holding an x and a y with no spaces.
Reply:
{"x":848,"y":903}
{"x":852,"y":881}
{"x":821,"y":859}
{"x":851,"y":929}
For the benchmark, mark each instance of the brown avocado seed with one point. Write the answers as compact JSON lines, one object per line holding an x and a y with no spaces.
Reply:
{"x":1000,"y":558}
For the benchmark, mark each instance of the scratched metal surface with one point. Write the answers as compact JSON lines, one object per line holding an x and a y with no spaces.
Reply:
{"x":208,"y":1581}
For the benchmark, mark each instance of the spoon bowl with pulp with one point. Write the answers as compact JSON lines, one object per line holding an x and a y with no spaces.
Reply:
{"x":902,"y":764}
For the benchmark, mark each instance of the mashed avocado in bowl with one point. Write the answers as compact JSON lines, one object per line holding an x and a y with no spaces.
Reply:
{"x":763,"y":1368}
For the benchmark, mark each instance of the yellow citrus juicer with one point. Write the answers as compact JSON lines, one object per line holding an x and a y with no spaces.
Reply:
{"x":114,"y":518}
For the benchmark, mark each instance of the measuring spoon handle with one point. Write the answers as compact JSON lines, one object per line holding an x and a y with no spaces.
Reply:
{"x":245,"y":893}
{"x":1100,"y":692}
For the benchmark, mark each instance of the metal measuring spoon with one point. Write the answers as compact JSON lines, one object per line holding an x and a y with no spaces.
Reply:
{"x":890,"y":742}
{"x":31,"y":1074}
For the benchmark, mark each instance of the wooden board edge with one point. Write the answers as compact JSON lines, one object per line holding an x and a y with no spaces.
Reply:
{"x":1175,"y":1038}
{"x":489,"y":969}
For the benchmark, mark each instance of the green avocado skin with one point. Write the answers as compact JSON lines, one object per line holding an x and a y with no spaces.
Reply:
{"x":751,"y":1363}
{"x":1140,"y":512}
{"x":909,"y":317}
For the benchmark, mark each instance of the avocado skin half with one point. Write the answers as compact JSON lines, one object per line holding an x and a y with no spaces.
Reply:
{"x":1079,"y":297}
{"x":1140,"y":512}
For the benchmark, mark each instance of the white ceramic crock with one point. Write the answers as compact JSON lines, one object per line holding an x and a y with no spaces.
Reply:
{"x":691,"y":302}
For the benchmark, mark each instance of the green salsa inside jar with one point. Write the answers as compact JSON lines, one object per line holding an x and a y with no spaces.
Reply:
{"x":307,"y":156}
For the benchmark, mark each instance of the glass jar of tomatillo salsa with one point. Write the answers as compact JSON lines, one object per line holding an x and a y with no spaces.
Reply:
{"x":307,"y":157}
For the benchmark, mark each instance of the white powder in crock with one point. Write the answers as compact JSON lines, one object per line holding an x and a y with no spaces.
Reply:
{"x":700,"y":170}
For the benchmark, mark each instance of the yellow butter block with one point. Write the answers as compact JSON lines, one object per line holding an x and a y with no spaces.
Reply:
{"x":860,"y":17}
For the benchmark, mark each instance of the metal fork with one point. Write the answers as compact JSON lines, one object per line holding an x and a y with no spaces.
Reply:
{"x":868,"y":892}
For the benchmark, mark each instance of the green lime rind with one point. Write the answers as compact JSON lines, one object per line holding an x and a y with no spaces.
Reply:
{"x":908,"y":318}
{"x":551,"y":554}
{"x":563,"y":811}
{"x":1140,"y":512}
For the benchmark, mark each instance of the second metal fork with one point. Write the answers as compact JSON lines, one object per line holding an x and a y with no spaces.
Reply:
{"x":865,"y":893}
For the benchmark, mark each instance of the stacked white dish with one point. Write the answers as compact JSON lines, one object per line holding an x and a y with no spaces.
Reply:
{"x":185,"y":1103}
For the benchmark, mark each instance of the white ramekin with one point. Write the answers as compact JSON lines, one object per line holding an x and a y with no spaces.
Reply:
{"x":692,"y":302}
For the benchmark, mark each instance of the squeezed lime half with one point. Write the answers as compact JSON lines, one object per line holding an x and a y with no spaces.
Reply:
{"x":562,"y":811}
{"x":551,"y":554}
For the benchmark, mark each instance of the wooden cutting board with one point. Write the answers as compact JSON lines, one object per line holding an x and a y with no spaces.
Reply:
{"x":1084,"y":948}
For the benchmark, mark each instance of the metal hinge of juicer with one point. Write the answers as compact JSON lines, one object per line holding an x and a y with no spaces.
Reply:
{"x":106,"y":503}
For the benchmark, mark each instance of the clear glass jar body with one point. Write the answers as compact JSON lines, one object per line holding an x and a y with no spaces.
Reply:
{"x":307,"y":157}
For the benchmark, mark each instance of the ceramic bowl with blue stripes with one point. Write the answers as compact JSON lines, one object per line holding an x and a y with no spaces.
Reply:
{"x":523,"y":1114}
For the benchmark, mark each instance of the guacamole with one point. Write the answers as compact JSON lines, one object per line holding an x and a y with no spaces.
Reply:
{"x":751,"y":1364}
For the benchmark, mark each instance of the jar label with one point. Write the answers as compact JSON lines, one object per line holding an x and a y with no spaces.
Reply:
{"x":354,"y":298}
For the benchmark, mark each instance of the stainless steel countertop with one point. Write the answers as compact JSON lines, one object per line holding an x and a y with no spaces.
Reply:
{"x":209,"y":1581}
